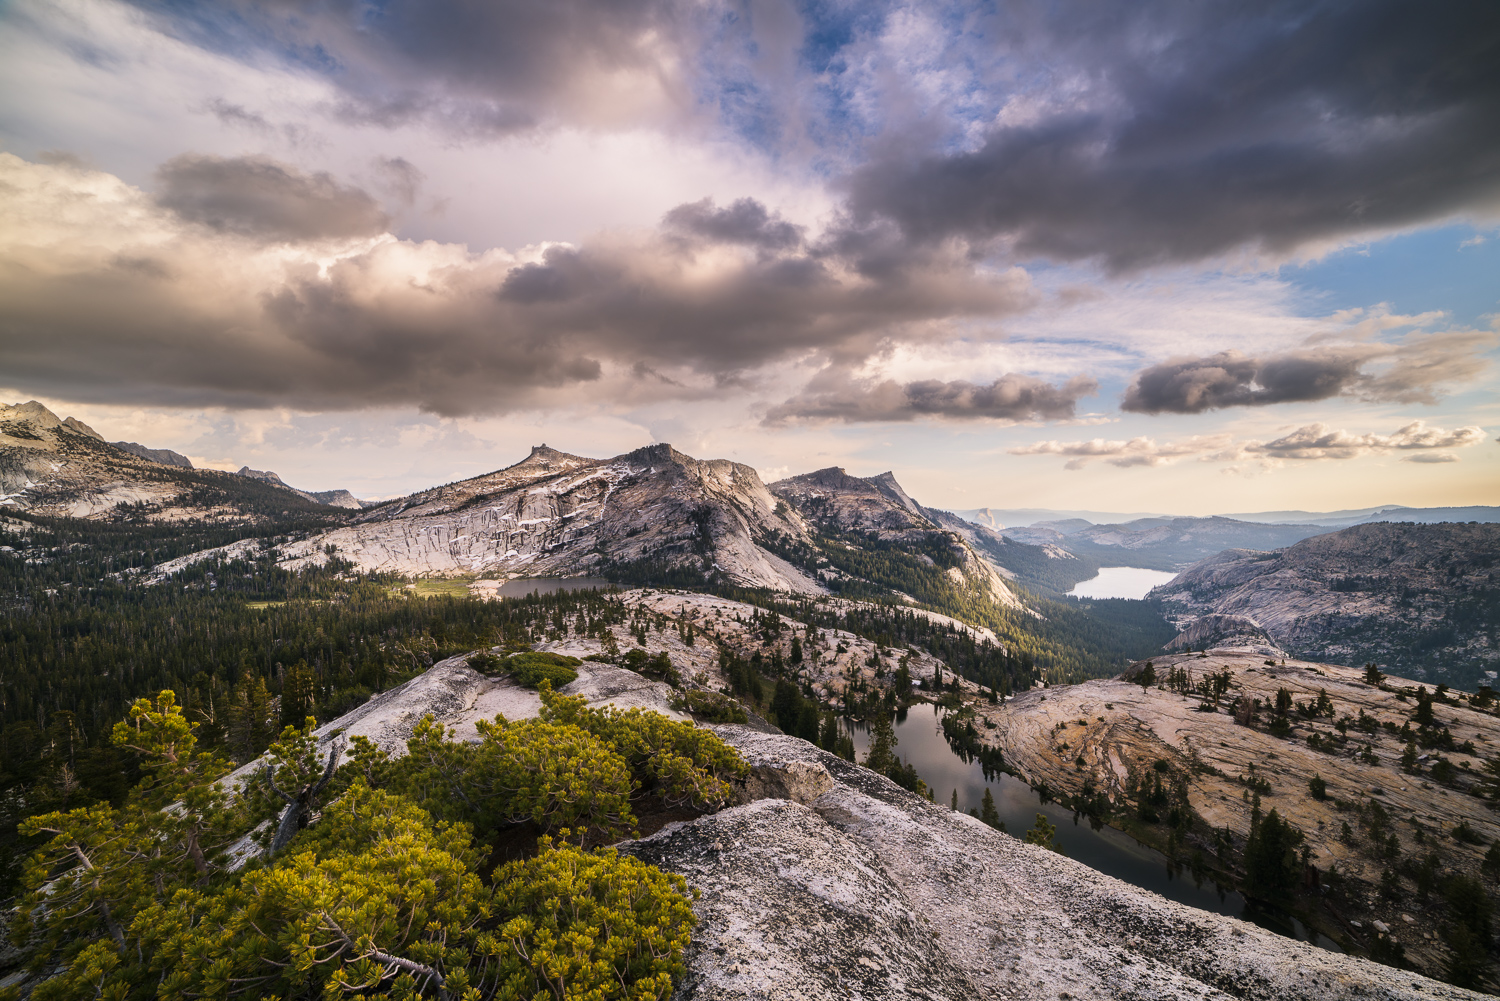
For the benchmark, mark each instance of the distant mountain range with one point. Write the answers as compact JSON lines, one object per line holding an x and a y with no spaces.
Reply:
{"x":1164,"y":542}
{"x":1010,"y":519}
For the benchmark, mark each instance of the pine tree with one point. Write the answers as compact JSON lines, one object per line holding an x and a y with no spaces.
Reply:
{"x":882,"y":755}
{"x":988,"y":813}
{"x":953,"y":803}
{"x":298,"y":694}
{"x":1044,"y":833}
{"x":250,"y":723}
{"x":1272,"y":868}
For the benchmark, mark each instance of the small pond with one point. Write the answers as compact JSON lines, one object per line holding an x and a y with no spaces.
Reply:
{"x":522,"y":586}
{"x":920,"y":741}
{"x":1121,"y":582}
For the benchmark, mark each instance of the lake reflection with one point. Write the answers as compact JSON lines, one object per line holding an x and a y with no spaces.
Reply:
{"x":920,"y":741}
{"x":522,"y":586}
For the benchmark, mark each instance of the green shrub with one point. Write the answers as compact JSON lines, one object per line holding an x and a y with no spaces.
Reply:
{"x":683,"y":764}
{"x":714,"y":707}
{"x":374,"y":878}
{"x":658,"y":666}
{"x":589,"y":925}
{"x":531,"y":669}
{"x":1463,"y":832}
{"x":1317,"y":787}
{"x":556,"y":775}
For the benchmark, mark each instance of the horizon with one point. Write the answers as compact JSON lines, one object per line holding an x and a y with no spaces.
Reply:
{"x":1024,"y":258}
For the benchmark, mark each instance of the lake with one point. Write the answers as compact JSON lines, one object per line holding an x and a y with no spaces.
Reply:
{"x":920,"y":741}
{"x":522,"y":586}
{"x":1121,"y":582}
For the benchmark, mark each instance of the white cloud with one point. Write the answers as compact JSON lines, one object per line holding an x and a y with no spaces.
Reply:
{"x":1309,"y":443}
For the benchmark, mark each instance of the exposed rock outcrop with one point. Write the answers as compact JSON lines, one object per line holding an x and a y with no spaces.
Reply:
{"x":832,"y":882}
{"x":869,"y":891}
{"x":1106,"y":737}
{"x":1420,"y":598}
{"x":833,"y":500}
{"x":1217,"y":630}
{"x":566,"y":515}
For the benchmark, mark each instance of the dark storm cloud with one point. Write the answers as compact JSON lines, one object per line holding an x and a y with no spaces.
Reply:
{"x":256,"y":196}
{"x":1230,"y":379}
{"x":1011,"y":397}
{"x":1414,"y":371}
{"x":745,"y":222}
{"x":184,"y":300}
{"x":1176,"y":131}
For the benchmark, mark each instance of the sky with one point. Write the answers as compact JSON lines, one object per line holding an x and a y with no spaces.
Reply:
{"x":1174,"y":256}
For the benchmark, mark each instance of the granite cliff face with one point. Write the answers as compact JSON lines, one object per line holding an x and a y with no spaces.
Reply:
{"x":1423,"y":599}
{"x":654,"y":509}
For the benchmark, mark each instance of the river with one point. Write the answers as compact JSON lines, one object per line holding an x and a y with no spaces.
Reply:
{"x":920,"y":741}
{"x":1121,"y":582}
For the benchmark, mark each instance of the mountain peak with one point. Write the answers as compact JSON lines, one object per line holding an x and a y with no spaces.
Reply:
{"x":265,"y":476}
{"x":32,"y":425}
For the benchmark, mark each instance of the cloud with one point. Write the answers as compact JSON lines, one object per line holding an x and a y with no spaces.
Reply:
{"x":1318,"y":441}
{"x":1411,"y":372}
{"x":247,"y":283}
{"x":1310,"y":443}
{"x":1011,"y":398}
{"x":476,"y":68}
{"x":745,"y":222}
{"x":1140,"y":451}
{"x":1155,"y":132}
{"x":256,"y":196}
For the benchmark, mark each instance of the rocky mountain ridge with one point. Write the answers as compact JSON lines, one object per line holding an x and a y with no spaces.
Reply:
{"x":651,"y":511}
{"x":165,"y":456}
{"x":62,"y":468}
{"x":333,"y":498}
{"x":1422,"y":599}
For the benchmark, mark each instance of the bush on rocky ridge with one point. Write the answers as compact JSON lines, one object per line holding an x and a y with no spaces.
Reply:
{"x":384,"y":893}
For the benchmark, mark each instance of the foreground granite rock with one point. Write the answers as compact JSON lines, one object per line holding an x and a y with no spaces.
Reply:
{"x":868,"y":891}
{"x":831,"y":882}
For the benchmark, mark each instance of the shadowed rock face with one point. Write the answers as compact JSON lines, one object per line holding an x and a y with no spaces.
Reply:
{"x":165,"y":456}
{"x":834,"y":501}
{"x":1381,"y":592}
{"x":1216,"y":630}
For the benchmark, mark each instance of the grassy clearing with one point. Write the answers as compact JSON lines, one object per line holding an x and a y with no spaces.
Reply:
{"x":451,"y":587}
